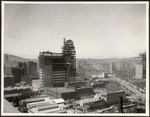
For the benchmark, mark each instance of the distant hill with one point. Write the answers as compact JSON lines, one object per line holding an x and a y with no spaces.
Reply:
{"x":12,"y":60}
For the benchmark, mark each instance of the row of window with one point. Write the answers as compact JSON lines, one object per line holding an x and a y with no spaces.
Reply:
{"x":59,"y":78}
{"x":58,"y":82}
{"x":59,"y":72}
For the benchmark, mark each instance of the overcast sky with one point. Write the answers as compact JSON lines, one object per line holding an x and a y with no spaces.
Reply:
{"x":97,"y":30}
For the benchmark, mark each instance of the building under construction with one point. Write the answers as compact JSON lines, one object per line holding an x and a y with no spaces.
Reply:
{"x":57,"y":68}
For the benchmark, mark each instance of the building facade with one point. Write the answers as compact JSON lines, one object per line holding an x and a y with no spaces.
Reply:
{"x":17,"y":74}
{"x":32,"y":68}
{"x":140,"y":66}
{"x":112,"y":98}
{"x":143,"y":57}
{"x":8,"y":77}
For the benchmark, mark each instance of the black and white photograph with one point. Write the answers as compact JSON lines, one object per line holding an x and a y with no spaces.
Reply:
{"x":75,"y":58}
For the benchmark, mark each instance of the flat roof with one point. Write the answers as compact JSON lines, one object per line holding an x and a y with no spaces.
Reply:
{"x":16,"y":88}
{"x":61,"y":89}
{"x":39,"y":104}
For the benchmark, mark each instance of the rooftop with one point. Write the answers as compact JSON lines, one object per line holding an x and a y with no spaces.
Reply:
{"x":31,"y":100}
{"x":38,"y":104}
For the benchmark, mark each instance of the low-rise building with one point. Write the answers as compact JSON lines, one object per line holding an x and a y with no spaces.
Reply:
{"x":41,"y":105}
{"x":112,"y":97}
{"x":69,"y":93}
{"x":61,"y":92}
{"x":84,"y":92}
{"x":87,"y":102}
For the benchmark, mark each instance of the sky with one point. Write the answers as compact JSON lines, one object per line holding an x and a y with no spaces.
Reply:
{"x":97,"y":30}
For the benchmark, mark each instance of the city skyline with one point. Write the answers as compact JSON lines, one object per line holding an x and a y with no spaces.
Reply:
{"x":97,"y":30}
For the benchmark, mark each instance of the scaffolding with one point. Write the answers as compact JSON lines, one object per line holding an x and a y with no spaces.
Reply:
{"x":69,"y":54}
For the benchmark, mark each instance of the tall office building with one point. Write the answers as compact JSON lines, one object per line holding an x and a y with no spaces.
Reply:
{"x":143,"y":59}
{"x":57,"y":68}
